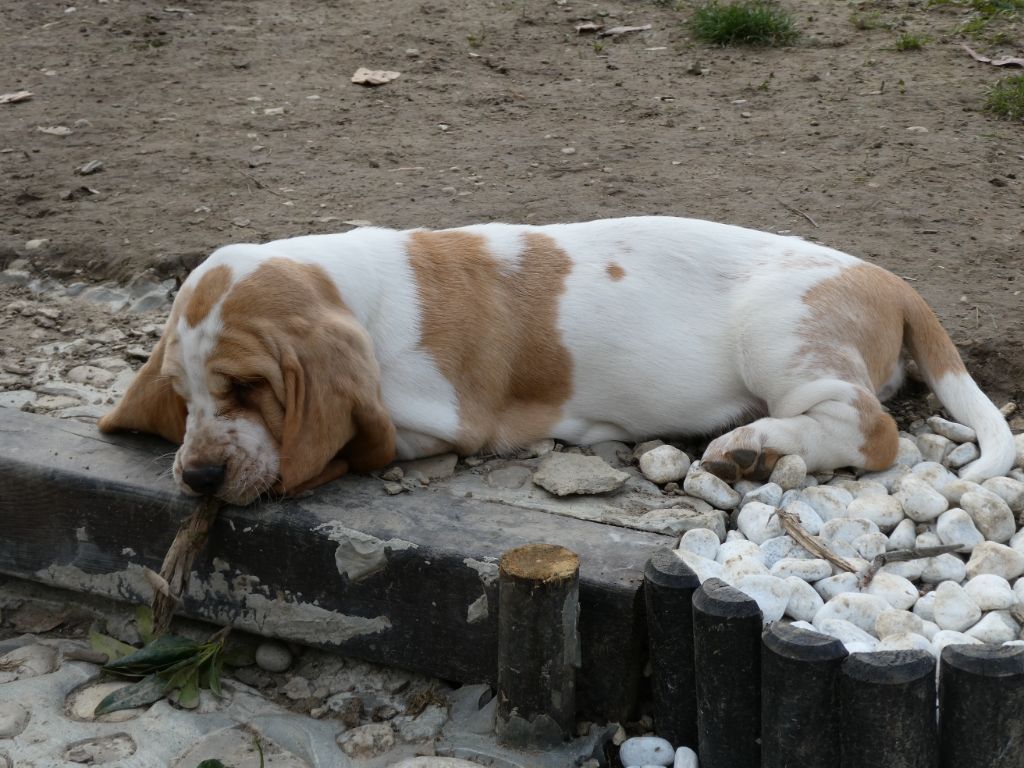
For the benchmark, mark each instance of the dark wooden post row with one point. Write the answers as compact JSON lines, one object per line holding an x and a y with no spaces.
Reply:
{"x":887,"y":705}
{"x":727,"y":655}
{"x":538,"y":645}
{"x":981,"y":707}
{"x":800,"y":721}
{"x":669,"y":585}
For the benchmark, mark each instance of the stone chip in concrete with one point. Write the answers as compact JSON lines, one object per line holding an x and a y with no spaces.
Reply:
{"x":565,"y":474}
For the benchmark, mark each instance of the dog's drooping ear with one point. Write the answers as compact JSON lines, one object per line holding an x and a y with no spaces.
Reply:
{"x":150,"y":403}
{"x":334,"y":418}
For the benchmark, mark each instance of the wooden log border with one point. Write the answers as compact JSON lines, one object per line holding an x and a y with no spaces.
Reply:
{"x":817,"y":705}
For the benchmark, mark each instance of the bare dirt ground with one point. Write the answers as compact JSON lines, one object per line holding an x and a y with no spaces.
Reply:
{"x":236,"y":121}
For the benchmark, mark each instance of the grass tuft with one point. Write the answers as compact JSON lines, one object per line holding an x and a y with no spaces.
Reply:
{"x":1006,"y":98}
{"x":909,"y":42}
{"x":748,"y":22}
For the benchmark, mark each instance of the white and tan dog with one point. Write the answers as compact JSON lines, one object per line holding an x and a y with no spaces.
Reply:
{"x":286,"y":364}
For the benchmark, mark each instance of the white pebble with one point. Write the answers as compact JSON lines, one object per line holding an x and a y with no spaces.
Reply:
{"x":273,"y":656}
{"x":859,"y":647}
{"x":951,"y":430}
{"x":789,"y":472}
{"x":955,"y":489}
{"x":646,"y":750}
{"x":769,"y":493}
{"x":933,"y":473}
{"x":920,"y":501}
{"x":855,"y":607}
{"x":928,"y":538}
{"x":804,"y":601}
{"x":759,"y":522}
{"x":685,"y":758}
{"x":895,"y":590}
{"x":1009,"y":490}
{"x":955,"y":526}
{"x":908,"y":454}
{"x":735,"y":535}
{"x":1014,"y":643}
{"x":888,"y":477}
{"x":806,"y":569}
{"x":700,"y":541}
{"x":934,"y":447}
{"x":771,"y":593}
{"x":840,"y":533}
{"x":929,"y":629}
{"x":884,"y":511}
{"x":1017,"y":540}
{"x":828,"y":501}
{"x":870,"y":545}
{"x":996,"y":627}
{"x":664,"y":464}
{"x":839,"y":584}
{"x":990,"y":557}
{"x":904,"y":641}
{"x":908,"y":569}
{"x":925,"y":607}
{"x":945,"y":567}
{"x":1018,"y":442}
{"x":711,"y":489}
{"x":806,"y":626}
{"x":895,"y":622}
{"x":810,"y":520}
{"x":991,"y":592}
{"x":954,"y":609}
{"x":846,"y":633}
{"x":990,"y":514}
{"x":949,"y":637}
{"x":962,"y":455}
{"x":902,"y":536}
{"x":782,"y":548}
{"x":702,"y":566}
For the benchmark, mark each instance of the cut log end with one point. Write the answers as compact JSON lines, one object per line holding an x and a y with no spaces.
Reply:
{"x":540,"y":562}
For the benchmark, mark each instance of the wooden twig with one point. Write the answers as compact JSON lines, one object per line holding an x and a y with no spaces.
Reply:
{"x":172,"y":581}
{"x":812,"y":544}
{"x":789,"y":207}
{"x":902,"y":556}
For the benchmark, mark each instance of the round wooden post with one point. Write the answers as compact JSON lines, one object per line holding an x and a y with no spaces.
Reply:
{"x":800,"y":698}
{"x":538,"y":645}
{"x":887,"y":705}
{"x":981,"y":707}
{"x":669,"y":585}
{"x":727,"y":655}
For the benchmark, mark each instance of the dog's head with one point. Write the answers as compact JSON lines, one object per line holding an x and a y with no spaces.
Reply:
{"x":264,"y":377}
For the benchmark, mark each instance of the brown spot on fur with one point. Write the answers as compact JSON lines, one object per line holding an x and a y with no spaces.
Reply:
{"x":859,"y":321}
{"x":493,"y":331}
{"x":206,"y":293}
{"x":309,"y":372}
{"x":880,"y":434}
{"x":615,"y":272}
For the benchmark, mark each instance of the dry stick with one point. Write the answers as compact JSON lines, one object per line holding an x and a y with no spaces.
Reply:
{"x":172,"y":581}
{"x":791,"y":208}
{"x":811,"y":543}
{"x":902,"y":556}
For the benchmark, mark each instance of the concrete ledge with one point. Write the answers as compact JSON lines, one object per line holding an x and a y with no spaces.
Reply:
{"x":405,"y":580}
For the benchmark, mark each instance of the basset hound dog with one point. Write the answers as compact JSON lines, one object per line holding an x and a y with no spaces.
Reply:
{"x":286,"y":364}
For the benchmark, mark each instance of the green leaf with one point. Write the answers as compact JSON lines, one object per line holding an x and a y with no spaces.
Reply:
{"x":188,"y":696}
{"x":241,"y":655}
{"x":209,"y":674}
{"x":113,"y":648}
{"x":179,"y":675}
{"x":160,"y":654}
{"x":144,"y":623}
{"x":214,"y":763}
{"x":139,"y":694}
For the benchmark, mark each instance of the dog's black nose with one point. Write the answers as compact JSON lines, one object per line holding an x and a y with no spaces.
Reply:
{"x":206,"y":479}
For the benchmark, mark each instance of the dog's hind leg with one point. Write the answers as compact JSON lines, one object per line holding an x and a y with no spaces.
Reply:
{"x":830,"y":423}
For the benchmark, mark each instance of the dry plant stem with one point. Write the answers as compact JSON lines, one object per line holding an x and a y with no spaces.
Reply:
{"x":812,"y":544}
{"x":173,"y":578}
{"x":902,"y":556}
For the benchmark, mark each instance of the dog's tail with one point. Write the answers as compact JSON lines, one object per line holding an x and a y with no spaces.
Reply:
{"x":944,"y":371}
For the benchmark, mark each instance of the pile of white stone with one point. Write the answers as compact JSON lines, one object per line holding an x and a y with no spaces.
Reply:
{"x":901,"y":600}
{"x":655,"y":752}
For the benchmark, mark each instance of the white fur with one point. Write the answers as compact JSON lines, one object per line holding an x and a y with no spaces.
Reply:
{"x":700,"y":334}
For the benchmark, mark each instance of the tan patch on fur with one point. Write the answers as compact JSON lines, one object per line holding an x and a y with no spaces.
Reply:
{"x":306,"y":368}
{"x":859,"y":321}
{"x":207,"y":292}
{"x":615,"y":272}
{"x":493,"y":332}
{"x":879,"y":432}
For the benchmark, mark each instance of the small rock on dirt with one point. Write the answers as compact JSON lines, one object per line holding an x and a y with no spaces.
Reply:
{"x":565,"y":474}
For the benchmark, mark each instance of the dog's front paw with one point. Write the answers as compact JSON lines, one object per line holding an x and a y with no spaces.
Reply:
{"x":739,"y":455}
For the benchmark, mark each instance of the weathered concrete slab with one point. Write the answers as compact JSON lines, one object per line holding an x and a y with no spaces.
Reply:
{"x":407,"y":580}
